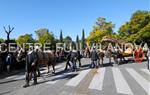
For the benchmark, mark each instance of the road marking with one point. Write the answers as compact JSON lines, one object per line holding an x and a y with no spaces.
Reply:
{"x":57,"y":67}
{"x":97,"y":81}
{"x":143,"y":82}
{"x":51,"y":82}
{"x":59,"y":77}
{"x":20,"y":77}
{"x":121,"y":84}
{"x":17,"y":77}
{"x":55,"y":79}
{"x":146,"y":71}
{"x":76,"y":80}
{"x":11,"y":77}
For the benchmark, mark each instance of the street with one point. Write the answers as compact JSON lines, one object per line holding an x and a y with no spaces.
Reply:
{"x":125,"y":79}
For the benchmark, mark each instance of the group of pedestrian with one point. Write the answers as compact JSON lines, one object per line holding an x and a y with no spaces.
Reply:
{"x":72,"y":58}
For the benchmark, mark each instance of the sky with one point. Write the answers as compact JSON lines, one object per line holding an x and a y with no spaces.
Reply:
{"x":72,"y":16}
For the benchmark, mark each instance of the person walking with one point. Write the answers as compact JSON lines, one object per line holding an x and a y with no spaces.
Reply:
{"x":68,"y":60}
{"x":79,"y":58}
{"x":74,"y":59}
{"x":94,"y":58}
{"x":8,"y":61}
{"x":31,"y":67}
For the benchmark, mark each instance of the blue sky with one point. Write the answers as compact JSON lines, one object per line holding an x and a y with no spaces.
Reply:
{"x":71,"y":16}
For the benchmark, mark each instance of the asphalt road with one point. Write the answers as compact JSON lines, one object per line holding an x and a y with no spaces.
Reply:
{"x":125,"y":79}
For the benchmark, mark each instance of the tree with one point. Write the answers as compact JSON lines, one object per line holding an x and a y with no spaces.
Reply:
{"x":44,"y":36}
{"x":8,"y":31}
{"x":77,"y":39}
{"x":77,"y":42}
{"x":67,"y":39}
{"x":61,"y":36}
{"x":102,"y":24}
{"x":137,"y":29}
{"x":23,"y":39}
{"x":144,"y":34}
{"x":101,"y":28}
{"x":83,"y":39}
{"x":8,"y":34}
{"x":1,"y":40}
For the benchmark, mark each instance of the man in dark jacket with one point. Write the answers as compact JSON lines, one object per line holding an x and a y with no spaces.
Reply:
{"x":74,"y":59}
{"x":79,"y":58}
{"x":31,"y":66}
{"x":68,"y":57}
{"x":94,"y":58}
{"x":8,"y":61}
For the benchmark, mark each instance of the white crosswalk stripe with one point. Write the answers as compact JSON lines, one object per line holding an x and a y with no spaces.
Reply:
{"x":120,"y":82}
{"x":17,"y":77}
{"x":11,"y":77}
{"x":142,"y":82}
{"x":97,"y":81}
{"x":146,"y":71}
{"x":21,"y":77}
{"x":59,"y":77}
{"x":76,"y":80}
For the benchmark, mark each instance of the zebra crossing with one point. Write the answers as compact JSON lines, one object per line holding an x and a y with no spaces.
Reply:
{"x":76,"y":80}
{"x":142,"y":82}
{"x":121,"y":84}
{"x":95,"y":84}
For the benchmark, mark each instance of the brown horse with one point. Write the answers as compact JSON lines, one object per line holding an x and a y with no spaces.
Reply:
{"x":47,"y":58}
{"x":100,"y":56}
{"x":87,"y":52}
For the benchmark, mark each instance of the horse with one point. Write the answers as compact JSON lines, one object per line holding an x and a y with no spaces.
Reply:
{"x":87,"y":52}
{"x":100,"y":57}
{"x":33,"y":59}
{"x":47,"y":58}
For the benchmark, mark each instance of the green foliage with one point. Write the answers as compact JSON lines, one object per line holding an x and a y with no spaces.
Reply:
{"x":102,"y":24}
{"x":77,"y":42}
{"x":1,"y":40}
{"x":44,"y":36}
{"x":61,"y":36}
{"x":137,"y":29}
{"x":77,"y":39}
{"x":83,"y":39}
{"x":27,"y":38}
{"x":144,"y":34}
{"x":101,"y":29}
{"x":67,"y":40}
